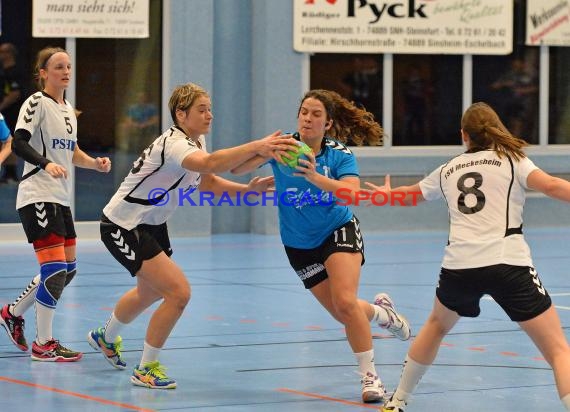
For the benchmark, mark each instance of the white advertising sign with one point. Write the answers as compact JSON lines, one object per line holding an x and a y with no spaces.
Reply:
{"x":548,"y":22}
{"x":91,"y":18}
{"x":403,"y":26}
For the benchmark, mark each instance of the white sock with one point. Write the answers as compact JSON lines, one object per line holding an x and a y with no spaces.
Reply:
{"x":112,"y":328}
{"x":150,"y":354}
{"x":44,"y":322}
{"x":26,"y":299}
{"x":566,"y":401}
{"x":380,"y":315}
{"x":411,"y":375}
{"x":366,"y":362}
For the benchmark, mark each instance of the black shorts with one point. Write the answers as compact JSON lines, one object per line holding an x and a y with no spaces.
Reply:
{"x":132,"y":247}
{"x":41,"y":219}
{"x":309,"y":263}
{"x":517,"y":289}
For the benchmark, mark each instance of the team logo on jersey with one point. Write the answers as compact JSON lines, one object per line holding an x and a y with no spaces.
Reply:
{"x":338,"y":146}
{"x":301,"y":198}
{"x":63,"y":144}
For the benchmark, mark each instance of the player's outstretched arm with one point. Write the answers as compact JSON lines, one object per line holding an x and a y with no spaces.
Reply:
{"x":551,"y":186}
{"x":225,"y":160}
{"x":405,"y":195}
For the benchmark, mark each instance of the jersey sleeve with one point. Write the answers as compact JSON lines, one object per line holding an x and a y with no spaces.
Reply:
{"x":4,"y":131}
{"x":178,"y":149}
{"x":431,"y":185}
{"x":31,"y":113}
{"x":347,"y":166}
{"x":524,"y":168}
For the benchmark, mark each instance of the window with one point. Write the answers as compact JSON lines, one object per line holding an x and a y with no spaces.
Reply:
{"x":559,"y":92}
{"x":357,"y":77}
{"x":16,"y":29}
{"x":427,"y":100}
{"x":119,"y":97}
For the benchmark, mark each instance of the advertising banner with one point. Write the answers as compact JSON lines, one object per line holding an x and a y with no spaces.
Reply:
{"x":91,"y":18}
{"x":548,"y":22}
{"x":403,"y":26}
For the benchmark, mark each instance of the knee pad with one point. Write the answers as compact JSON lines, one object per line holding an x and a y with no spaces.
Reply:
{"x":71,"y":271}
{"x":52,"y":282}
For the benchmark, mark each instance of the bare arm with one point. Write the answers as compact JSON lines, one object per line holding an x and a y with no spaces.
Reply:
{"x":249,"y":165}
{"x":228,"y":159}
{"x":551,"y":186}
{"x":83,"y":160}
{"x":6,"y":150}
{"x":400,"y":196}
{"x":308,"y":170}
{"x":219,"y":186}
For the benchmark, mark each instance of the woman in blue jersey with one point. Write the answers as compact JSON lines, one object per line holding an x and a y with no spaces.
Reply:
{"x":5,"y":140}
{"x":484,"y":189}
{"x":46,"y":138}
{"x":322,"y":239}
{"x":134,"y":224}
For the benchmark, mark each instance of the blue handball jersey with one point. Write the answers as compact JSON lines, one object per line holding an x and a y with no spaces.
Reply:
{"x":308,"y":215}
{"x":4,"y":131}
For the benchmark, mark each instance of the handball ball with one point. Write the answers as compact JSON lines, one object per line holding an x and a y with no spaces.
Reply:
{"x":289,"y":167}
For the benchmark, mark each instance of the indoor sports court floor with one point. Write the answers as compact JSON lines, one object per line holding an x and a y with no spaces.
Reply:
{"x":252,"y":339}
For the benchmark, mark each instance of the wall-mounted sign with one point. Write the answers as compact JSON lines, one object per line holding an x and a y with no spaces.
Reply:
{"x":403,"y":26}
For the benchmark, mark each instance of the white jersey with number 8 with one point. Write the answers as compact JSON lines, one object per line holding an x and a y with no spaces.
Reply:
{"x":485,"y":195}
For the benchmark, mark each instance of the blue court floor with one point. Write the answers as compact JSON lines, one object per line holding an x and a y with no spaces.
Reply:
{"x":252,"y":339}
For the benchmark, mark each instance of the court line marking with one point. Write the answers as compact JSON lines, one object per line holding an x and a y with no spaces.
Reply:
{"x":75,"y":394}
{"x":327,"y":398}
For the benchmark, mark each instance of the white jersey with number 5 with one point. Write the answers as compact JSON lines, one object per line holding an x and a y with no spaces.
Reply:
{"x":485,"y":195}
{"x":157,"y":175}
{"x":53,"y":129}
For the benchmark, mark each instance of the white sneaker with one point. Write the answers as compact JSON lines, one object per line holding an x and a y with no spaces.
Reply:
{"x":393,"y":405}
{"x":372,"y":388}
{"x":397,"y":325}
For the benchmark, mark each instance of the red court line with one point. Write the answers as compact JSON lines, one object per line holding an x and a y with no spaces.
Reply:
{"x":327,"y":398}
{"x":509,"y":353}
{"x":75,"y":394}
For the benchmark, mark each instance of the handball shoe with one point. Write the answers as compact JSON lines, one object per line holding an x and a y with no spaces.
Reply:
{"x":397,"y":325}
{"x":372,"y":388}
{"x":152,"y":376}
{"x":111,"y":351}
{"x":393,"y":405}
{"x":52,"y":351}
{"x":14,"y":326}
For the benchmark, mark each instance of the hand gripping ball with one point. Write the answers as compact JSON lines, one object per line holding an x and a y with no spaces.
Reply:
{"x":289,"y":167}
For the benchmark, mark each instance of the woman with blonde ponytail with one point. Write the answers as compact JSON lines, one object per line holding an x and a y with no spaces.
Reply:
{"x":484,"y":189}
